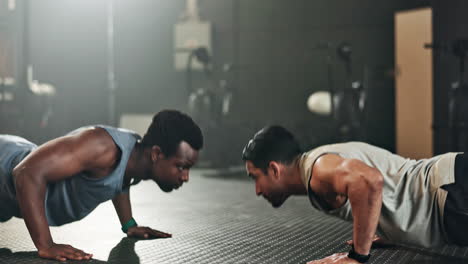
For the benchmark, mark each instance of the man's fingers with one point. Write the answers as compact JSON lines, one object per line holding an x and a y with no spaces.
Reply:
{"x":146,"y":232}
{"x":63,"y":252}
{"x":140,"y":233}
{"x":72,"y":256}
{"x":76,"y":254}
{"x":160,"y":234}
{"x":60,"y":258}
{"x":79,"y":252}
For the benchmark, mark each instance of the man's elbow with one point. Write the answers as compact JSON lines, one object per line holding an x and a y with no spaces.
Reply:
{"x":22,"y":178}
{"x":375,"y":180}
{"x":18,"y":178}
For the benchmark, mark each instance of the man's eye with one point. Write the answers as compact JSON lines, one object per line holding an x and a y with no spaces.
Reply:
{"x":180,"y":168}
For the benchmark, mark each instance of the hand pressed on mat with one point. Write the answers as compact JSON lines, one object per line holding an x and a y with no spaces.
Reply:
{"x":63,"y":252}
{"x":338,"y":258}
{"x":144,"y":232}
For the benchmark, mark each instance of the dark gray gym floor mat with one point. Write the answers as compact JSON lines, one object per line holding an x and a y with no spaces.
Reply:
{"x":213,"y":220}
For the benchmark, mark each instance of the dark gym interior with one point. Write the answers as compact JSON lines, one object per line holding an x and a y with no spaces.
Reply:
{"x":65,"y":64}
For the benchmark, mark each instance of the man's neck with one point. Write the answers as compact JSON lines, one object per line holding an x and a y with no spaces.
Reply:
{"x":137,"y":164}
{"x":295,"y":183}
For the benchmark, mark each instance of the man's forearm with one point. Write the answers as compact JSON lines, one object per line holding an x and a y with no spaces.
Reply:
{"x":366,"y":203}
{"x":31,"y":197}
{"x":123,"y":207}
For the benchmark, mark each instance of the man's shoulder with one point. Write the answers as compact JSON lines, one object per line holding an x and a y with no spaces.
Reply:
{"x":95,"y":141}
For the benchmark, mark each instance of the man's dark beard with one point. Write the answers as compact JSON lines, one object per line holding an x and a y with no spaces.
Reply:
{"x":278,"y":202}
{"x":166,"y":187}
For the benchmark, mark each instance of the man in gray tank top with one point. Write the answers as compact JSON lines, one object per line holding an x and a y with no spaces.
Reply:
{"x":410,"y":202}
{"x":66,"y":178}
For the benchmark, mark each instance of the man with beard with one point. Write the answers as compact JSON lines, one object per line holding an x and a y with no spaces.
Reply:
{"x":66,"y":178}
{"x":410,"y":202}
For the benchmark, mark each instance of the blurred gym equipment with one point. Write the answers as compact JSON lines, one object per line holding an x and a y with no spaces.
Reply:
{"x":211,"y":103}
{"x":210,"y":106}
{"x":26,"y":104}
{"x":457,"y":121}
{"x":346,"y":105}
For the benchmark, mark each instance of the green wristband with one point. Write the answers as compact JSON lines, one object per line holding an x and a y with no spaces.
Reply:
{"x":130,"y":223}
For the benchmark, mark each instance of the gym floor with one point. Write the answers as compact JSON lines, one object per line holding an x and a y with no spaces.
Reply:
{"x":213,"y":219}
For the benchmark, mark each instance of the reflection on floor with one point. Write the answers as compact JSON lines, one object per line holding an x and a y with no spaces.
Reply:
{"x":213,"y":219}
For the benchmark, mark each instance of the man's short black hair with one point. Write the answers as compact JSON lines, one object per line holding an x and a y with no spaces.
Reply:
{"x":169,"y":128}
{"x":272,"y":143}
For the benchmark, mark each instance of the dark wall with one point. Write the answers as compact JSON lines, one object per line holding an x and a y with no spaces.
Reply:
{"x":272,"y":45}
{"x":450,"y":24}
{"x":147,"y":81}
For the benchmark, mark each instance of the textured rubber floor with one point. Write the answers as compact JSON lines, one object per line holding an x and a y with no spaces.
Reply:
{"x":213,"y":219}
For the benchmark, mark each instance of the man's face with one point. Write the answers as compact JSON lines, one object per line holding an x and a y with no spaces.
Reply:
{"x":267,"y":184}
{"x":171,"y":172}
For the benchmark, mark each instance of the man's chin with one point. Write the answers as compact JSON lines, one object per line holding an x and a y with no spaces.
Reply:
{"x":278,"y":202}
{"x":166,"y":188}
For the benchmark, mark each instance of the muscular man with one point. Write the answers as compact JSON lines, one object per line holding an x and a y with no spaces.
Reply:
{"x":411,"y":202}
{"x":65,"y":179}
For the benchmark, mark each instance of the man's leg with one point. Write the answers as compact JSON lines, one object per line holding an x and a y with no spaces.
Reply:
{"x":456,"y":205}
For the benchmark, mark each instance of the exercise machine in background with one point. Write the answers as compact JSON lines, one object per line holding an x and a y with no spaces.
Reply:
{"x":457,"y":121}
{"x":209,"y":103}
{"x":346,"y":105}
{"x":208,"y":85}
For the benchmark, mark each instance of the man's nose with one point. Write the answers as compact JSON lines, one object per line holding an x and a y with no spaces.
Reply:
{"x":257,"y":189}
{"x":185,"y":176}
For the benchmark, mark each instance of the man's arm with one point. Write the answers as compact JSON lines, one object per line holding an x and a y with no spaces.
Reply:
{"x":362,"y":185}
{"x":55,"y":161}
{"x":123,"y":208}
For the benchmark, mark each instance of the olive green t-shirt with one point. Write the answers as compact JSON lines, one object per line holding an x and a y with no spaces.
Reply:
{"x":412,"y":203}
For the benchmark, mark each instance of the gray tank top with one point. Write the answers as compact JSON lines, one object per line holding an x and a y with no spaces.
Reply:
{"x":75,"y":197}
{"x":413,"y":202}
{"x":13,"y":149}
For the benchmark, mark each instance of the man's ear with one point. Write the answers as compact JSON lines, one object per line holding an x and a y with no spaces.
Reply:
{"x":156,"y":152}
{"x":275,"y":168}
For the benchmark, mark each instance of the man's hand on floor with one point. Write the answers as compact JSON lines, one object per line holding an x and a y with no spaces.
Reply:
{"x":338,"y":258}
{"x":62,"y":252}
{"x":143,"y":232}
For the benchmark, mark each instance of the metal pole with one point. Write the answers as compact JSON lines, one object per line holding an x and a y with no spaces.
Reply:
{"x":111,"y":82}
